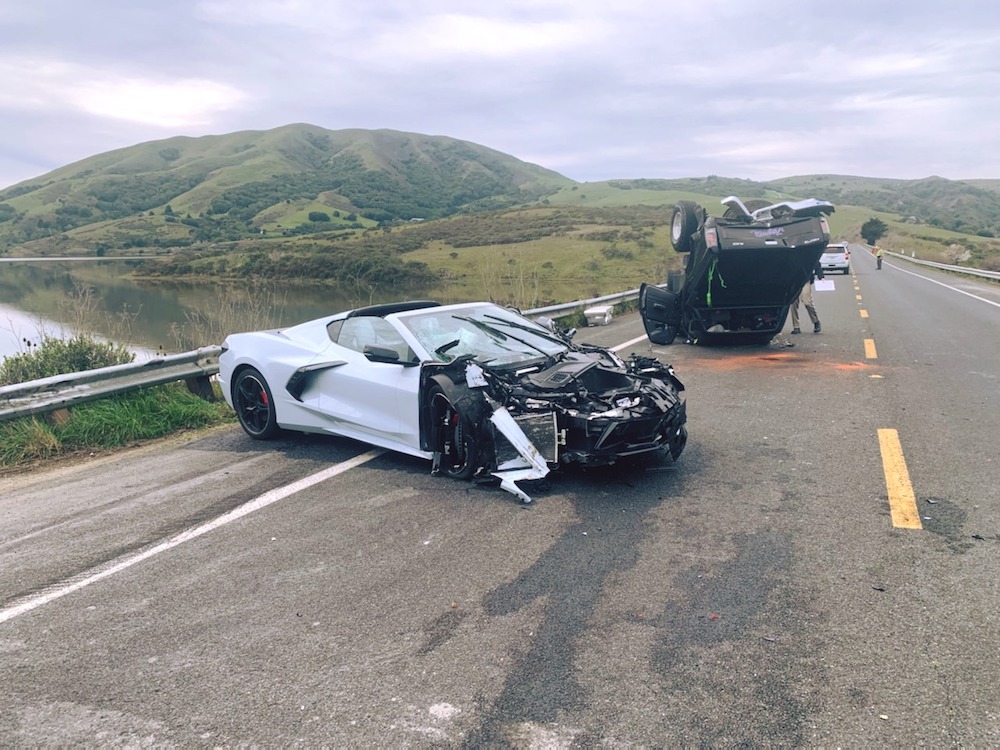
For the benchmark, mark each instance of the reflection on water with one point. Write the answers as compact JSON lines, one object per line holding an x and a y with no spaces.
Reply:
{"x":18,"y":330}
{"x":62,"y":296}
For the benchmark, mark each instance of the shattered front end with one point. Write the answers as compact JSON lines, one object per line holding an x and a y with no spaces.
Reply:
{"x":615,"y":414}
{"x":587,"y":407}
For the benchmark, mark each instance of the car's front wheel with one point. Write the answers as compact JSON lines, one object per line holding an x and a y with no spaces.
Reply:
{"x":254,"y":405}
{"x":454,"y":437}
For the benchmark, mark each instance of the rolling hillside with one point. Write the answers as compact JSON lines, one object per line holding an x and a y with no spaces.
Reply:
{"x":290,"y":180}
{"x":375,"y":209}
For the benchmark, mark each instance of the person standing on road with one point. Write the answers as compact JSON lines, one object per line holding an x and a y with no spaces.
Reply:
{"x":878,"y":258}
{"x":805,"y":296}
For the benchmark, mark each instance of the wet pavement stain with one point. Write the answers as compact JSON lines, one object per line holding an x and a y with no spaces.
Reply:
{"x":713,"y":634}
{"x":571,"y":577}
{"x":946,"y":520}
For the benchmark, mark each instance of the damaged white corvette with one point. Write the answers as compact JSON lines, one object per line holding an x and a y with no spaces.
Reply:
{"x":478,"y":389}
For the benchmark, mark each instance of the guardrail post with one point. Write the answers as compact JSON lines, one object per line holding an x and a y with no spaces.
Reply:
{"x":201,"y":386}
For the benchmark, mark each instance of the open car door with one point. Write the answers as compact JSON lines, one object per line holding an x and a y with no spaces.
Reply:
{"x":660,"y":311}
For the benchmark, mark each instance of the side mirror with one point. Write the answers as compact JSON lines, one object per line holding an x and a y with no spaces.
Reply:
{"x":376,"y":353}
{"x":549,"y":324}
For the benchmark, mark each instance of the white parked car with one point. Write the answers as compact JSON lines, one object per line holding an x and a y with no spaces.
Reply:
{"x":837,"y":257}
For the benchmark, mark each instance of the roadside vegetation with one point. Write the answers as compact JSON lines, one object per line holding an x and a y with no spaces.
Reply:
{"x":99,"y":425}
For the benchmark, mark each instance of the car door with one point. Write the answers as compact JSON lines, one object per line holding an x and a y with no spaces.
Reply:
{"x":658,"y":308}
{"x":367,"y":399}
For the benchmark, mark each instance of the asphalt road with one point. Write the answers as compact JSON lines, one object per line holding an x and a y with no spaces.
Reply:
{"x":818,"y":569}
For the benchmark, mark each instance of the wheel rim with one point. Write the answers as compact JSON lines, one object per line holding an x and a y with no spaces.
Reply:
{"x":253,"y":405}
{"x":675,"y":226}
{"x":453,"y":445}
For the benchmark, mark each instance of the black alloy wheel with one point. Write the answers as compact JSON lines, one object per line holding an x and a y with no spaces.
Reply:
{"x":254,"y":405}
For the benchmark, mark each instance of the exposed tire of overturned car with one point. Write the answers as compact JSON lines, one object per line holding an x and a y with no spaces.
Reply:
{"x":481,"y":391}
{"x":742,"y":271}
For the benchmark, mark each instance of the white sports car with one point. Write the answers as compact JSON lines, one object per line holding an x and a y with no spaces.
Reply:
{"x":478,"y":389}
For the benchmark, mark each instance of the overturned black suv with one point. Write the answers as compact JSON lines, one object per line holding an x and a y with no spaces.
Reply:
{"x":743,"y":270}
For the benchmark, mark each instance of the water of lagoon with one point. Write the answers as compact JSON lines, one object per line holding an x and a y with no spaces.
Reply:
{"x":60,"y":297}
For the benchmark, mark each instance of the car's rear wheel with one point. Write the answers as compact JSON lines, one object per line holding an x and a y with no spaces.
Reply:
{"x":254,"y":405}
{"x":454,"y":437}
{"x":683,"y":223}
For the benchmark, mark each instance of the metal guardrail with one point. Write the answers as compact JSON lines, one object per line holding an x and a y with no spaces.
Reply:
{"x":196,"y":368}
{"x":584,"y":303}
{"x":62,"y":391}
{"x":945,"y":267}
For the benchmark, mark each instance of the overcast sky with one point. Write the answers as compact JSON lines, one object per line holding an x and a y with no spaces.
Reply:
{"x":593,"y":89}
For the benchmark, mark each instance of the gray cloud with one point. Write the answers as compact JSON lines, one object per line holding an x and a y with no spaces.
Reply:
{"x":595,"y":91}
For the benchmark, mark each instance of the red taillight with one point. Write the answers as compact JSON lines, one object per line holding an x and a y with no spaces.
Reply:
{"x":711,"y":237}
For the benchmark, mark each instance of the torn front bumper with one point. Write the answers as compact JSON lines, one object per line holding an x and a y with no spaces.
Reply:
{"x":604,"y":440}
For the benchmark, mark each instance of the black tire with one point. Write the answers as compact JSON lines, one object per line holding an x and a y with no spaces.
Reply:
{"x":254,"y":405}
{"x":683,"y":223}
{"x":453,"y":436}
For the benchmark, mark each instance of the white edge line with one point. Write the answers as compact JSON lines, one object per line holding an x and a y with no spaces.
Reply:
{"x":629,"y":343}
{"x":947,"y":286}
{"x":273,"y":496}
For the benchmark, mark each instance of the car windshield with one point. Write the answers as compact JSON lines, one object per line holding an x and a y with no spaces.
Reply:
{"x":494,"y":335}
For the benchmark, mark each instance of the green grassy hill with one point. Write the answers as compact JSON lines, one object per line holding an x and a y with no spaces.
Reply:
{"x":960,"y":206}
{"x":290,"y":180}
{"x":378,"y":209}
